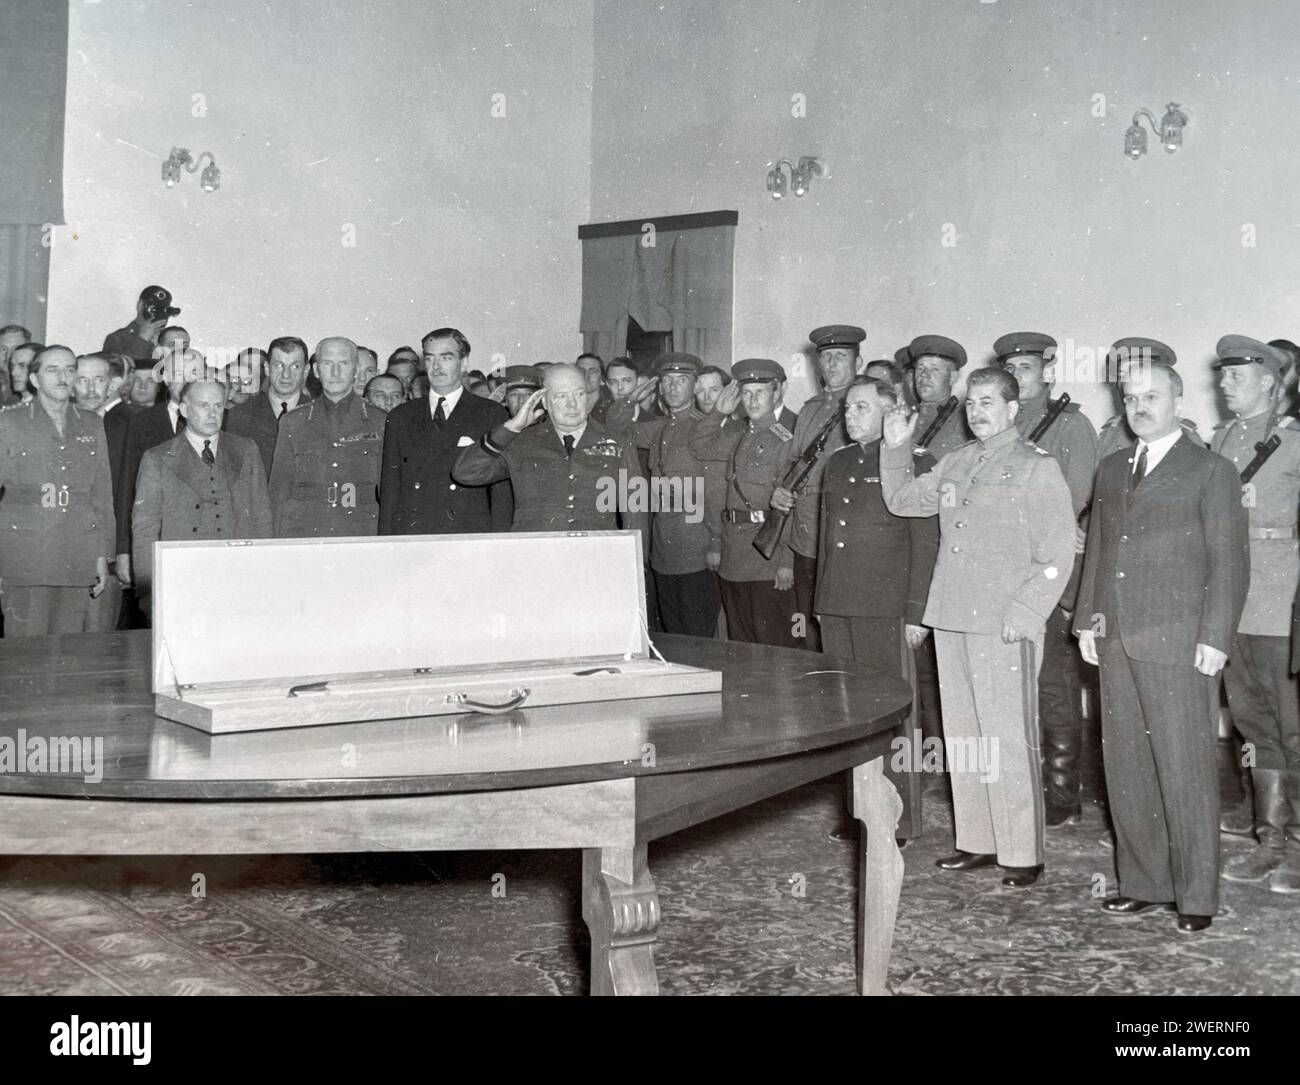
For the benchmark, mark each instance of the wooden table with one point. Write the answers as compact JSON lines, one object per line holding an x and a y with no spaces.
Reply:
{"x":606,"y":778}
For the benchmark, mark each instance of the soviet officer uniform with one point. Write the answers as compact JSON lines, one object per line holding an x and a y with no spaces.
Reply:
{"x":1005,"y":551}
{"x":758,"y":453}
{"x":1072,"y":443}
{"x":954,"y":432}
{"x":1261,"y":690}
{"x":816,"y":412}
{"x":873,"y":578}
{"x":56,"y":518}
{"x":686,"y":589}
{"x":326,"y":467}
{"x":1115,"y":432}
{"x":559,"y":485}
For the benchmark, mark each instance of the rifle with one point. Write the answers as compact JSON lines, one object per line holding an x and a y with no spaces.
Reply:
{"x":1053,"y":412}
{"x":795,"y":478}
{"x":1263,"y":450}
{"x":932,"y":430}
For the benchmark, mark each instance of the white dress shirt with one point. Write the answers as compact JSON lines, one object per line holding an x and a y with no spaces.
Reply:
{"x":1157,"y":449}
{"x":174,"y":413}
{"x":449,"y":401}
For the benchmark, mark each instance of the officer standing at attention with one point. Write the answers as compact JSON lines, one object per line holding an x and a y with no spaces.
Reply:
{"x":521,"y":382}
{"x":874,"y":570}
{"x":1261,"y":690}
{"x":686,"y":589}
{"x":1116,"y":433}
{"x":757,"y":593}
{"x":1006,"y":547}
{"x":935,"y":361}
{"x":1072,"y":442}
{"x":56,"y":512}
{"x":325,"y":472}
{"x":839,"y":360}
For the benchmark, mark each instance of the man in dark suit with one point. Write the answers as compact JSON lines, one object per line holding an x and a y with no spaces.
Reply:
{"x":258,"y":418}
{"x":570,"y":473}
{"x":1164,"y":581}
{"x":201,"y":484}
{"x":874,"y":568}
{"x":423,"y":437}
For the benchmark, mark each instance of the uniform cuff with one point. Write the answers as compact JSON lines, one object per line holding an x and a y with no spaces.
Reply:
{"x":496,"y":442}
{"x":894,"y":458}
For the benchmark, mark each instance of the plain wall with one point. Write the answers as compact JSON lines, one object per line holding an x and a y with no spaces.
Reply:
{"x":322,"y":115}
{"x":932,"y":112}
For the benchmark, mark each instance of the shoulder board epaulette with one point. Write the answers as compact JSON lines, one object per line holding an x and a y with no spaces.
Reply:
{"x":1071,"y":408}
{"x":843,"y":447}
{"x":1111,"y":421}
{"x":1040,"y":451}
{"x":781,"y":431}
{"x":1225,"y":422}
{"x":1188,"y":424}
{"x":1286,"y":422}
{"x":919,"y":451}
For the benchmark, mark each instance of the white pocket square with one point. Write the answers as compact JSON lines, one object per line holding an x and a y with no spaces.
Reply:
{"x":465,"y":441}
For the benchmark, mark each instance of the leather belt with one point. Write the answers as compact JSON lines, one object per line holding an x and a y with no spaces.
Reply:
{"x":743,"y":516}
{"x":1272,"y":533}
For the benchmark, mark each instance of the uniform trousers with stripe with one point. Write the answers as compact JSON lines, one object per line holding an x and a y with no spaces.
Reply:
{"x":989,"y":691}
{"x":880,"y":646}
{"x":1262,"y":694}
{"x":1158,"y":733}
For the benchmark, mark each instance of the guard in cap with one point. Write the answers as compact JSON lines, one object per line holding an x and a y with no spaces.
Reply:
{"x":686,"y":591}
{"x":1006,"y":545}
{"x":1292,"y":352}
{"x":1134,"y":350}
{"x":1059,"y":428}
{"x":935,"y":360}
{"x":1262,"y":691}
{"x":521,"y":382}
{"x":139,"y":338}
{"x":839,"y":360}
{"x":757,"y":594}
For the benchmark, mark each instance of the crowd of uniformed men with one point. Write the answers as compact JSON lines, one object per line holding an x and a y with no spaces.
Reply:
{"x":977,"y":550}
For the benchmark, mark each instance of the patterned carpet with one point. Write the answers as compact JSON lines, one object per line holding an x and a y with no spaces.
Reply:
{"x":733,"y":921}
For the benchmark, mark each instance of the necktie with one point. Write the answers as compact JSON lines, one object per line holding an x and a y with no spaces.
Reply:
{"x":180,"y":422}
{"x":284,"y":409}
{"x":208,"y":457}
{"x":568,"y":446}
{"x":439,"y":415}
{"x":1139,"y":470}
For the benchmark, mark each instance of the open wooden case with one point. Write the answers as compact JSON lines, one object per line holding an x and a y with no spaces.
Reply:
{"x":254,"y":635}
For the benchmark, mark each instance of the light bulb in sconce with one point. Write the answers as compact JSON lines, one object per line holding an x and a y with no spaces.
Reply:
{"x":1171,"y":127}
{"x":1135,"y":141}
{"x":210,"y":178}
{"x":776,"y":181}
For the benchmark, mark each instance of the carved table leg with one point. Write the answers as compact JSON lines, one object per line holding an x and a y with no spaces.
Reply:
{"x":621,"y":908}
{"x":877,"y":805}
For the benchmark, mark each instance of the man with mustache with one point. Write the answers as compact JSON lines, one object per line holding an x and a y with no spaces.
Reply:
{"x":1030,"y":357}
{"x":1006,"y":546}
{"x":1116,"y":433}
{"x":1164,"y":581}
{"x":1261,"y":690}
{"x":418,"y":494}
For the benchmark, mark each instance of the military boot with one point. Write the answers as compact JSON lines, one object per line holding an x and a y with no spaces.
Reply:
{"x":1061,"y":775}
{"x":1238,"y":815}
{"x":1271,"y":809}
{"x":1286,"y":878}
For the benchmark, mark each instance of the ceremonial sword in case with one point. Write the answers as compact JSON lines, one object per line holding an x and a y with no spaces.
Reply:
{"x":259,"y":634}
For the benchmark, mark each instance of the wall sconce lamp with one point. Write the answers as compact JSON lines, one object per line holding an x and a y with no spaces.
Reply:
{"x":800,"y":176}
{"x":209,"y":179}
{"x":1170,"y":131}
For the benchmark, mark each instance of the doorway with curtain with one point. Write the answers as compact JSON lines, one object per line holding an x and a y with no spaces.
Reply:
{"x":659,"y":284}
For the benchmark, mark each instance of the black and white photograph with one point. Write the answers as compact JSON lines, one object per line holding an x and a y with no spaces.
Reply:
{"x":651,"y":497}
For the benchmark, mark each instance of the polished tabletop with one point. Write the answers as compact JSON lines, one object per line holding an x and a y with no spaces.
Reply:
{"x":774,"y":702}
